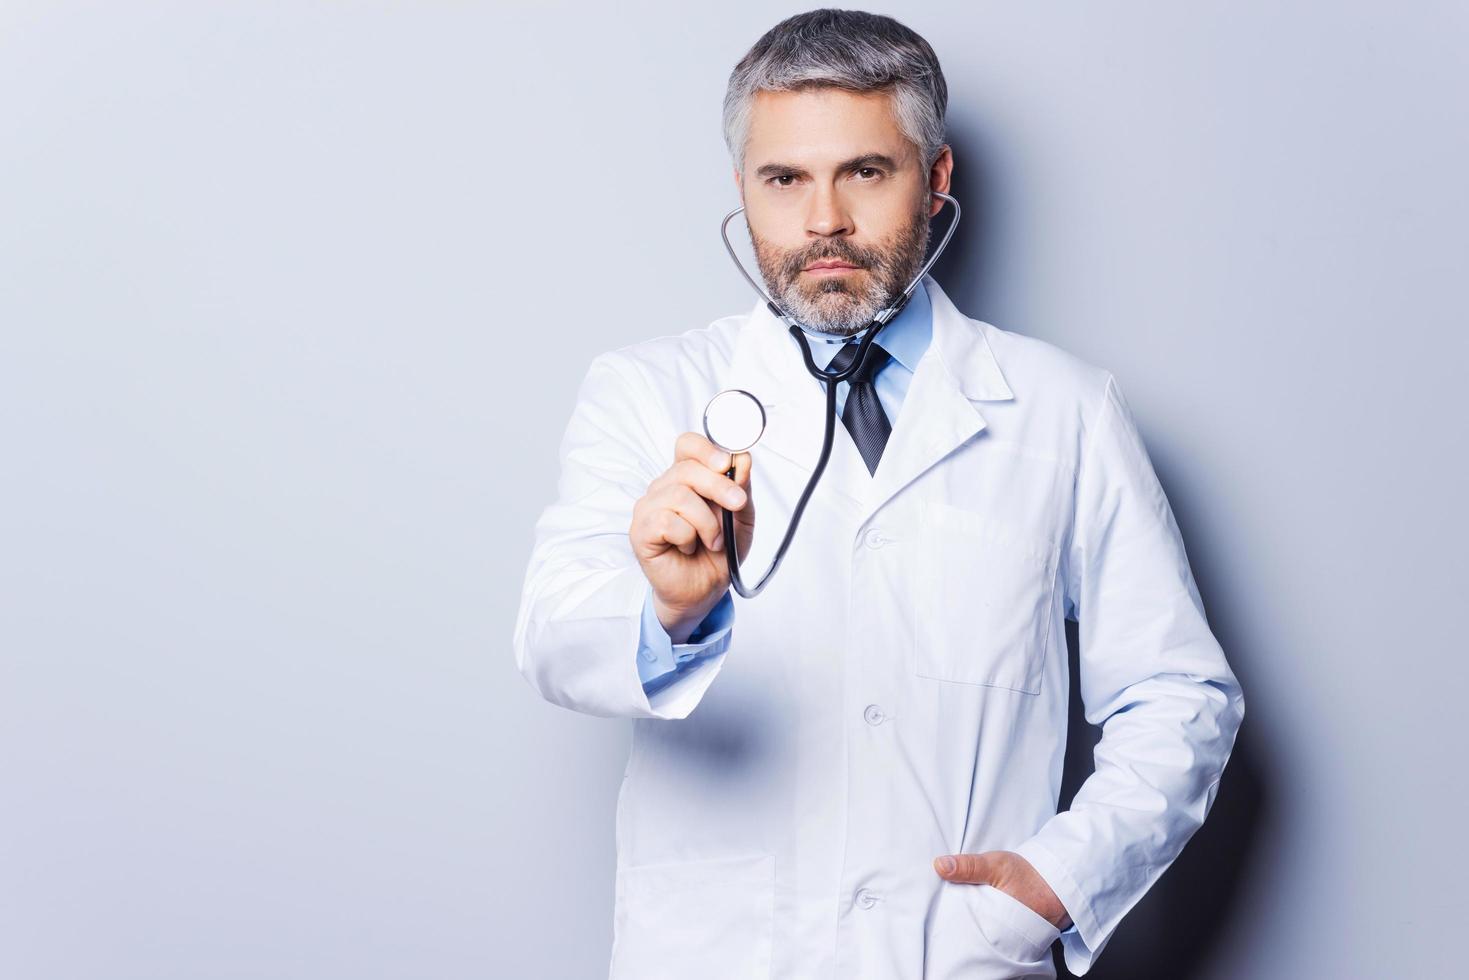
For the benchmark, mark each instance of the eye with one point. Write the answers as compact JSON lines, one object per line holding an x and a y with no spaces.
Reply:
{"x":874,"y":170}
{"x":772,"y":180}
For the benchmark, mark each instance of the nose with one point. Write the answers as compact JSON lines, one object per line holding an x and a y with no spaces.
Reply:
{"x":827,"y":214}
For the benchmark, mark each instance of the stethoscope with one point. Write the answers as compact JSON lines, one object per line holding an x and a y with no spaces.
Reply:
{"x":734,"y":419}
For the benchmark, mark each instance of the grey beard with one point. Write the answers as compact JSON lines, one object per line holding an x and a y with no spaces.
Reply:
{"x":851,"y":312}
{"x":843,"y":317}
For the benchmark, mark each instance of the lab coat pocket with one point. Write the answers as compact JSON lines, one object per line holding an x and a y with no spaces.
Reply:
{"x":1012,"y":927}
{"x":983,"y":604}
{"x":978,"y":931}
{"x":707,"y":918}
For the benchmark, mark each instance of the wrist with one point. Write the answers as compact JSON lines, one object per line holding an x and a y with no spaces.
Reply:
{"x":681,"y":623}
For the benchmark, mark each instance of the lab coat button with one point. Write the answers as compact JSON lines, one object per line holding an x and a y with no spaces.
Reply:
{"x":866,"y":898}
{"x":874,"y":715}
{"x":875,"y":539}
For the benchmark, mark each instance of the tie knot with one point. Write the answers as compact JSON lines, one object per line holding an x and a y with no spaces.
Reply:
{"x":876,"y":358}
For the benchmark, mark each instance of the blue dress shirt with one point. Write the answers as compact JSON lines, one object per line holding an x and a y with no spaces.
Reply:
{"x":906,"y":339}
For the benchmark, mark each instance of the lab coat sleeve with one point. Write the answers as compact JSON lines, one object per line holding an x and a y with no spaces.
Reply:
{"x":579,"y":628}
{"x":1152,"y":676}
{"x":659,"y":656}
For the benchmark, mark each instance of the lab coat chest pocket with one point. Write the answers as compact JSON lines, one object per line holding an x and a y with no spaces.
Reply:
{"x":984,"y":588}
{"x":706,"y":918}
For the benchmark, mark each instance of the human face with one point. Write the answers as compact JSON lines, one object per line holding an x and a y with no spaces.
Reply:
{"x":831,"y":179}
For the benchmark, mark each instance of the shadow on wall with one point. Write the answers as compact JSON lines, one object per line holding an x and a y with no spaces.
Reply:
{"x":1172,"y":932}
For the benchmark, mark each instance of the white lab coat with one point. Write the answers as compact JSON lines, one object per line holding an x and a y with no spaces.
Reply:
{"x":899,"y":691}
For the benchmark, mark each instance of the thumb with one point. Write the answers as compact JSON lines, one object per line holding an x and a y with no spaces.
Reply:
{"x":974,"y":869}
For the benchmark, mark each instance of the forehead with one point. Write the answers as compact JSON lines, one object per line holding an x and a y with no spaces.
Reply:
{"x":822,"y":125}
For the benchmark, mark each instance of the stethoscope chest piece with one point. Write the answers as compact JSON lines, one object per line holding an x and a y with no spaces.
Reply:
{"x":734,"y":420}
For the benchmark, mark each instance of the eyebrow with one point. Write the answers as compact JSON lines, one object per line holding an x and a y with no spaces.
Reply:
{"x":856,"y":163}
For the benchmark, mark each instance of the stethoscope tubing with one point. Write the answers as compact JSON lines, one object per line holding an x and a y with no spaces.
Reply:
{"x":830,"y":380}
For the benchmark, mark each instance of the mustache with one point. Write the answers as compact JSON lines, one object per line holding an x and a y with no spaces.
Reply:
{"x":861,"y":258}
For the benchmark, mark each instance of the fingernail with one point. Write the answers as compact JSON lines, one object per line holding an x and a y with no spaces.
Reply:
{"x":719,"y":541}
{"x":735,"y":498}
{"x":946,"y":865}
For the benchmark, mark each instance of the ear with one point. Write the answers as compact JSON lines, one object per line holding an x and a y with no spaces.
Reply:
{"x":739,"y":186}
{"x":939,"y":176}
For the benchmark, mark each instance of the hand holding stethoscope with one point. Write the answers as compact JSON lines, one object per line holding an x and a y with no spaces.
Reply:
{"x":676,"y":532}
{"x":734,"y":419}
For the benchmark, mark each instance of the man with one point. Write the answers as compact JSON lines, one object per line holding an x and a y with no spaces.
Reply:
{"x":856,"y":773}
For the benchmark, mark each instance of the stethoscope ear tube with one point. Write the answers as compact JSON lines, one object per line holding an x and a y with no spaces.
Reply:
{"x":829,"y":379}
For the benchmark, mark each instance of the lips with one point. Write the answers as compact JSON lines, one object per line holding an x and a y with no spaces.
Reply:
{"x":829,"y":264}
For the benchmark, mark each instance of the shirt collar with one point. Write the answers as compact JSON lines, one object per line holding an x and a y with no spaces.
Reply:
{"x":905,"y":338}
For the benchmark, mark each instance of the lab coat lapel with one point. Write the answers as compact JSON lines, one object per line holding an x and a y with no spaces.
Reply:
{"x":939,"y":414}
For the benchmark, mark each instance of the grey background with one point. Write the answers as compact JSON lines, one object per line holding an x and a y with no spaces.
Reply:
{"x":295,"y":298}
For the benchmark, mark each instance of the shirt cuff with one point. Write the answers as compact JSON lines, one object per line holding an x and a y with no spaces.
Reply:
{"x":659,"y":655}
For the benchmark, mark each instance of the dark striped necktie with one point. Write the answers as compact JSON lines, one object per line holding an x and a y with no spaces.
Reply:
{"x":862,"y":414}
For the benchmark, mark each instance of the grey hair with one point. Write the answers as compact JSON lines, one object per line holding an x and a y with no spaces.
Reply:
{"x":846,"y":49}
